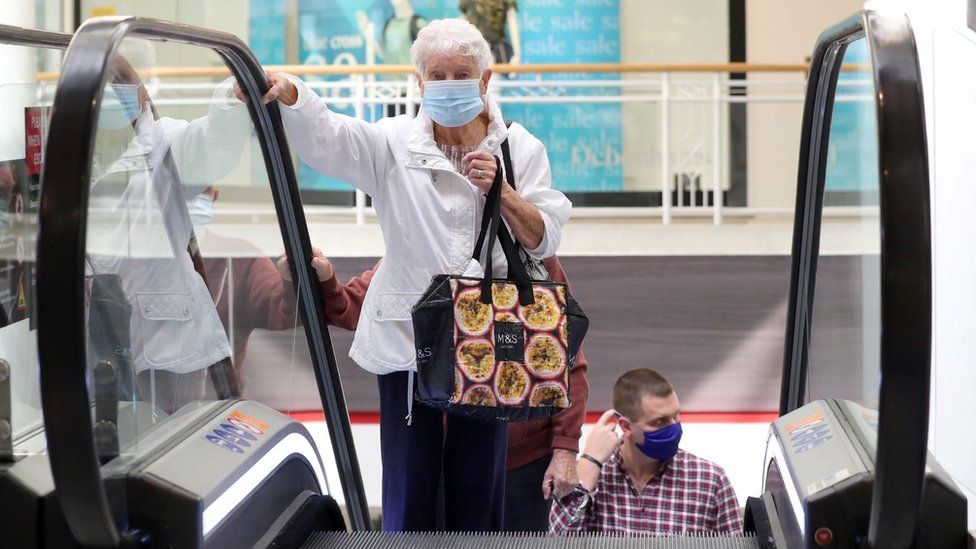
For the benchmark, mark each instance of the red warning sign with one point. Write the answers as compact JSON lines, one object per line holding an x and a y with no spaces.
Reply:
{"x":21,"y":305}
{"x":34,"y":139}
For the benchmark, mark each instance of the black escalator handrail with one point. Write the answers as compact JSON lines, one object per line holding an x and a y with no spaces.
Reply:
{"x":812,"y":167}
{"x":906,"y":269}
{"x":61,"y":252}
{"x":906,"y":282}
{"x":20,"y":36}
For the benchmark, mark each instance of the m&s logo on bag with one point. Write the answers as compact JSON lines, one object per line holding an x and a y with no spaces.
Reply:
{"x":509,"y":341}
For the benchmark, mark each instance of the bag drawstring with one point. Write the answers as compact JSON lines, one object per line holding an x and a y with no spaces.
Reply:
{"x":409,"y":417}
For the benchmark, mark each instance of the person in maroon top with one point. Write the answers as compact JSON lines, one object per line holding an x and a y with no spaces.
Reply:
{"x":541,"y":453}
{"x":261,"y":291}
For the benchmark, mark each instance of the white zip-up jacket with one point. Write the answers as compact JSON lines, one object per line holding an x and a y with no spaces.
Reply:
{"x":429,"y":214}
{"x":139,"y":228}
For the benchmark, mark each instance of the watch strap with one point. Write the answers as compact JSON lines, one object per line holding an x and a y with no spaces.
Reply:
{"x":592,"y":460}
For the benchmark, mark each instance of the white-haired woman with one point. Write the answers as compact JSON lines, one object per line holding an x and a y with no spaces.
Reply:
{"x":428,"y":176}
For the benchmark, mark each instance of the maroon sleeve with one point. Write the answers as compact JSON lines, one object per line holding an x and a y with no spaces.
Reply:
{"x":270,"y":300}
{"x":344,"y":302}
{"x":567,"y":427}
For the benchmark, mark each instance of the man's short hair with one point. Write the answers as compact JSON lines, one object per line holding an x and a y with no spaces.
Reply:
{"x":629,"y":391}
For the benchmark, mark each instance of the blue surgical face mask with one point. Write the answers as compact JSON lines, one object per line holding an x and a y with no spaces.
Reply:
{"x":119,"y":107}
{"x":661,"y":445}
{"x":202,"y":211}
{"x":453,"y":103}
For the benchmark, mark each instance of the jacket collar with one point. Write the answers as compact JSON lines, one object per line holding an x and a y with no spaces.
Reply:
{"x":423,"y":151}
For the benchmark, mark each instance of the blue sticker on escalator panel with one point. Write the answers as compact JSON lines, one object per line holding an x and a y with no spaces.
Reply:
{"x":238,"y":431}
{"x":224,"y":444}
{"x":234,"y":439}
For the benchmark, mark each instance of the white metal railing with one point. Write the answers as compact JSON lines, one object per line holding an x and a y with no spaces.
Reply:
{"x":703,"y":137}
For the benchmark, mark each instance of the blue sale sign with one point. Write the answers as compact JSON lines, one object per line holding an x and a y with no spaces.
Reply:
{"x":329,"y":35}
{"x":583,"y":139}
{"x":266,"y":32}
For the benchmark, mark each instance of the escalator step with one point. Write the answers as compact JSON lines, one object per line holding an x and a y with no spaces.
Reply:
{"x":442,"y":540}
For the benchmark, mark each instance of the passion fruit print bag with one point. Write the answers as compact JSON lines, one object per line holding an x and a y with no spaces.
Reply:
{"x":497,"y":349}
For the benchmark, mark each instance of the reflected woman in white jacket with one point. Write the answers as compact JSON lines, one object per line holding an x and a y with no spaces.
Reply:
{"x":145,"y":168}
{"x":428,"y":176}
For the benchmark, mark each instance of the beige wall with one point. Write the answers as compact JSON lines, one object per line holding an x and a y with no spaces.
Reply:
{"x":223,"y":15}
{"x":664,"y":31}
{"x":781,"y":31}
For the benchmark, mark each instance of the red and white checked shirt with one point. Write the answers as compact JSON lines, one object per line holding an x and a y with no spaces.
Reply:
{"x":688,"y":494}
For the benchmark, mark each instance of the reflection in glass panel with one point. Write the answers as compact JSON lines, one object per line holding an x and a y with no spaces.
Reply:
{"x":845,"y":334}
{"x":183,"y":247}
{"x":24,"y":108}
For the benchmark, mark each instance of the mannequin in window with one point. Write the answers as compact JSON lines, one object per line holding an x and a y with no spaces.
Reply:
{"x":493,"y":18}
{"x":396,"y":37}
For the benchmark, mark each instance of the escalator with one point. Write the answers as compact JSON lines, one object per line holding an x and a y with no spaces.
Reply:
{"x":151,"y":439}
{"x":143,"y":314}
{"x":847,"y":462}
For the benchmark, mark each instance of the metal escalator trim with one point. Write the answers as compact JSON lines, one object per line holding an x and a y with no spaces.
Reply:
{"x":540,"y":540}
{"x":776,"y":527}
{"x":775,"y":449}
{"x":20,"y":36}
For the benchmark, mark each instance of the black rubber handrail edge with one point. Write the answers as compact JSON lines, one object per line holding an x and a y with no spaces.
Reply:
{"x":60,"y":272}
{"x":20,"y":36}
{"x":906,"y":281}
{"x":906,"y":269}
{"x":817,"y":113}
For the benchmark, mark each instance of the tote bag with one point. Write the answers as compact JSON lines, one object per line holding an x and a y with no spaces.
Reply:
{"x":496,"y":349}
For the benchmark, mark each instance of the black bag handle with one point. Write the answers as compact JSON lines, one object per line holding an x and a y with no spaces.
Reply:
{"x":493,"y":227}
{"x":509,"y":240}
{"x":506,"y":239}
{"x":510,"y":177}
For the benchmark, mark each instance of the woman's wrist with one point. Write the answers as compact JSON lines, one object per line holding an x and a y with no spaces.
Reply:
{"x":524,"y":217}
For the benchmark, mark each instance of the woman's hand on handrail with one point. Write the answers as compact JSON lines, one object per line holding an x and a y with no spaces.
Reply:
{"x":280,"y":88}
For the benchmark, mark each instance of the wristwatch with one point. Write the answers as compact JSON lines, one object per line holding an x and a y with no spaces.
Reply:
{"x":585,"y":500}
{"x":578,"y":511}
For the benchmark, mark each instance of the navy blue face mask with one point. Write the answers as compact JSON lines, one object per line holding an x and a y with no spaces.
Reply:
{"x":661,"y":445}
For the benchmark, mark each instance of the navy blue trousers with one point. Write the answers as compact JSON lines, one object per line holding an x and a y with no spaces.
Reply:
{"x":525,"y":508}
{"x":468,"y":454}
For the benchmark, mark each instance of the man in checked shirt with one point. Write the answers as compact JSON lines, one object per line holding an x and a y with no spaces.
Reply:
{"x":641,"y":482}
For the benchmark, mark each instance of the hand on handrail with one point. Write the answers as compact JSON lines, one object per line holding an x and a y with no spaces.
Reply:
{"x":279,"y":87}
{"x":323,"y":267}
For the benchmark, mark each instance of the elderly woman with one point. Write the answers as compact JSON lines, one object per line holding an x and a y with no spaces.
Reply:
{"x":428,"y":176}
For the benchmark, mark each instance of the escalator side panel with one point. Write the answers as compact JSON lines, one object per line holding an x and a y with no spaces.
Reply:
{"x":30,"y":515}
{"x":825,"y":436}
{"x":226,"y":482}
